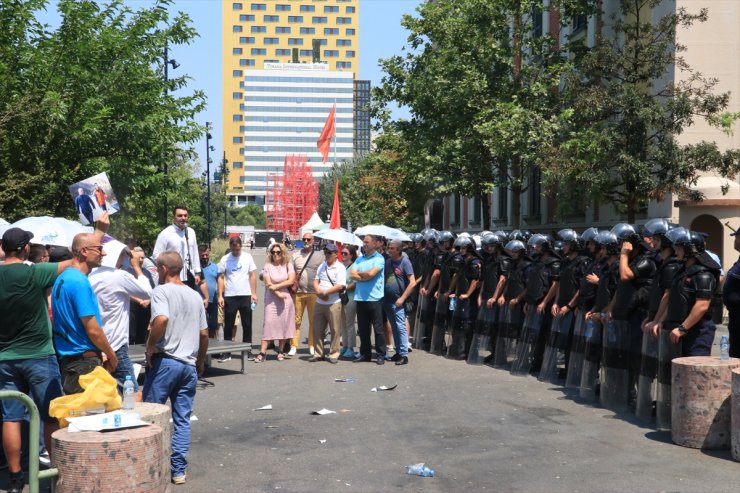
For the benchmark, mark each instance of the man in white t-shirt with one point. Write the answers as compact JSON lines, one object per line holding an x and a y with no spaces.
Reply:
{"x":114,"y":288}
{"x":237,"y":290}
{"x":330,"y":281}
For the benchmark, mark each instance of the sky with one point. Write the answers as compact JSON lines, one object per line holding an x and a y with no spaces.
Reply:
{"x":381,"y":36}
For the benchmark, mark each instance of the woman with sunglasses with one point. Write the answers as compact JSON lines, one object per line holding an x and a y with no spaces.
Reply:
{"x":279,"y":321}
{"x":349,"y":330}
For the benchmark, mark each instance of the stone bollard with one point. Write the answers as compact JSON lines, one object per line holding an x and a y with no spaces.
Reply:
{"x":112,"y":462}
{"x":700,"y":401}
{"x":160,"y":415}
{"x":735,"y":421}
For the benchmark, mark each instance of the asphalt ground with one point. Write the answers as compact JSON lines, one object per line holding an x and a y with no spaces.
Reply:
{"x":481,"y":429}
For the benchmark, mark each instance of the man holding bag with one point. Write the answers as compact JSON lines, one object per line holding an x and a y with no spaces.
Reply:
{"x":305,"y":263}
{"x":330,"y":281}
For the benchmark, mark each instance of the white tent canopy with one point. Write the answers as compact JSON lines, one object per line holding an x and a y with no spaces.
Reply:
{"x":313,"y":224}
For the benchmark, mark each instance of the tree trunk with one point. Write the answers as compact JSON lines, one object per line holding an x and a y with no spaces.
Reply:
{"x":516,"y":192}
{"x":485,"y":199}
{"x":631,"y":209}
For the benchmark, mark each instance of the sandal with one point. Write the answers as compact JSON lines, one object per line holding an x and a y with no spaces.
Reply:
{"x":280,"y":356}
{"x":260,"y":358}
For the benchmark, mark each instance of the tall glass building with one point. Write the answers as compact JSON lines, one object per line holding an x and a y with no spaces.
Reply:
{"x":284,"y":63}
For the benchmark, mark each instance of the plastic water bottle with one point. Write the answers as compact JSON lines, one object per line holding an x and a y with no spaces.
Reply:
{"x":724,"y":349}
{"x":128,"y":394}
{"x":453,"y":304}
{"x":254,"y":305}
{"x":590,"y":328}
{"x":420,"y":470}
{"x":220,"y":333}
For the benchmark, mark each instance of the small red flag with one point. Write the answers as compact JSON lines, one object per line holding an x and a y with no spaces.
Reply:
{"x":324,"y":142}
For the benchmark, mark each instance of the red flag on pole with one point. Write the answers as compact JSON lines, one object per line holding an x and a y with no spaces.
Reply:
{"x":324,"y":142}
{"x":335,"y":221}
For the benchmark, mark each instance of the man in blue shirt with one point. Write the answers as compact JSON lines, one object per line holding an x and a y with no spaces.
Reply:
{"x":399,"y":283}
{"x":367,"y":272}
{"x":80,"y":341}
{"x":209,"y":276}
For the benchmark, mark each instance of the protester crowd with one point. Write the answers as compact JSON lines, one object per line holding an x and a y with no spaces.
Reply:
{"x":603,"y":311}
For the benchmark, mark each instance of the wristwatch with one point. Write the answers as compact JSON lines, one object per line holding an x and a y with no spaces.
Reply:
{"x":683,"y":330}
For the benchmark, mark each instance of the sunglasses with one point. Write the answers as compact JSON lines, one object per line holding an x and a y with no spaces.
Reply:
{"x":276,"y":252}
{"x":307,"y":239}
{"x":345,"y":252}
{"x":95,"y":247}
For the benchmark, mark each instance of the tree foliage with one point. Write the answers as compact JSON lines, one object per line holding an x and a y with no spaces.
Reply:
{"x":90,"y":96}
{"x":633,"y":95}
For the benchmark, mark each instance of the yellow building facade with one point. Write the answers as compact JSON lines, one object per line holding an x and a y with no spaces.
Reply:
{"x":278,"y":31}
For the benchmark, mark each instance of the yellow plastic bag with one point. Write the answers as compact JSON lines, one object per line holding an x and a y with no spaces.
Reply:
{"x":100,"y":391}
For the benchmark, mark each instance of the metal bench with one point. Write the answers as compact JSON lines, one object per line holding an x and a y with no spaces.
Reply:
{"x":136,"y":351}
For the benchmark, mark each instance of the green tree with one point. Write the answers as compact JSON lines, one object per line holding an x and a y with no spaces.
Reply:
{"x":89,"y":97}
{"x":478,"y":79}
{"x":630,"y":108}
{"x":249,"y":215}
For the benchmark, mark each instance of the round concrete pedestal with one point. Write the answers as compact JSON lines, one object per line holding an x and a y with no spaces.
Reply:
{"x":700,"y":401}
{"x":160,"y":415}
{"x":735,"y":421}
{"x":127,"y":460}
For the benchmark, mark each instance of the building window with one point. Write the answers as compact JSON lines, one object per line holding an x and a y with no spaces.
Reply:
{"x":579,"y":23}
{"x":259,"y":51}
{"x":282,"y":30}
{"x":351,"y":31}
{"x":236,"y":29}
{"x":537,"y":22}
{"x":350,"y":10}
{"x":259,"y":29}
{"x":236,"y":51}
{"x":236,"y":73}
{"x":331,"y":8}
{"x":308,"y":8}
{"x":282,"y":8}
{"x":259,"y":6}
{"x":331,"y":53}
{"x":344,"y":20}
{"x":236,"y":95}
{"x":237,"y":140}
{"x":349,"y":53}
{"x":477,"y":209}
{"x":344,"y":42}
{"x":535,"y":192}
{"x":503,"y":193}
{"x":319,"y":20}
{"x":250,"y":62}
{"x":272,"y":41}
{"x":272,"y":18}
{"x":295,"y":41}
{"x":246,"y":40}
{"x":282,"y":52}
{"x":306,"y":52}
{"x":321,"y":41}
{"x":344,"y":65}
{"x":308,"y":30}
{"x":331,"y":30}
{"x":238,"y":165}
{"x":236,"y":117}
{"x":236,"y":6}
{"x":246,"y":18}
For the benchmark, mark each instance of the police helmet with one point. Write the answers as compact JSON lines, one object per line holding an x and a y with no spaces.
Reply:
{"x":465,"y":242}
{"x":484,"y":232}
{"x":570,"y":237}
{"x":517,"y":235}
{"x":493,"y":239}
{"x":557,"y":248}
{"x":691,"y":241}
{"x":608,"y":241}
{"x":527,"y":234}
{"x":541,"y":241}
{"x":446,"y":236}
{"x":589,"y":235}
{"x":431,"y":237}
{"x":515,"y":246}
{"x":417,"y":238}
{"x":626,"y":232}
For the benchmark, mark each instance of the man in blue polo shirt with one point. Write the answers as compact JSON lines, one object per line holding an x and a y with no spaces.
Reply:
{"x":367,"y":272}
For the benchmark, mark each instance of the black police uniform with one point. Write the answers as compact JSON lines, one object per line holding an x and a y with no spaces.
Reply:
{"x":731,"y":299}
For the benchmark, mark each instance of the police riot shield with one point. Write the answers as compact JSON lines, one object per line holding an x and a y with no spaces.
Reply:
{"x":667,"y":351}
{"x":646,"y":380}
{"x":615,"y":365}
{"x":557,"y":345}
{"x":420,"y":325}
{"x":441,"y":318}
{"x":578,"y":344}
{"x":527,"y":340}
{"x":459,"y":328}
{"x":591,"y":359}
{"x":484,"y":335}
{"x":510,"y":318}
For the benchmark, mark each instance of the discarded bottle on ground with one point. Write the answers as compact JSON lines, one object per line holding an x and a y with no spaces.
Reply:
{"x":724,"y":349}
{"x":420,"y":470}
{"x":128,"y":394}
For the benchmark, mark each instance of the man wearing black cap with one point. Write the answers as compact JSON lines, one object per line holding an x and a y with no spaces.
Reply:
{"x":27,"y":359}
{"x":731,"y":294}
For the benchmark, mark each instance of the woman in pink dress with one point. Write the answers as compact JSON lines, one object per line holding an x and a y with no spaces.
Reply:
{"x":279,"y":324}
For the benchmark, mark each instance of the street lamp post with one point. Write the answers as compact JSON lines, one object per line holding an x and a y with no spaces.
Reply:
{"x":166,"y":168}
{"x":209,"y":148}
{"x":225,"y":178}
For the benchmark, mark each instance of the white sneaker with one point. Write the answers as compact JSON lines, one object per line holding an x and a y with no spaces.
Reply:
{"x":310,"y":351}
{"x":292,"y":351}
